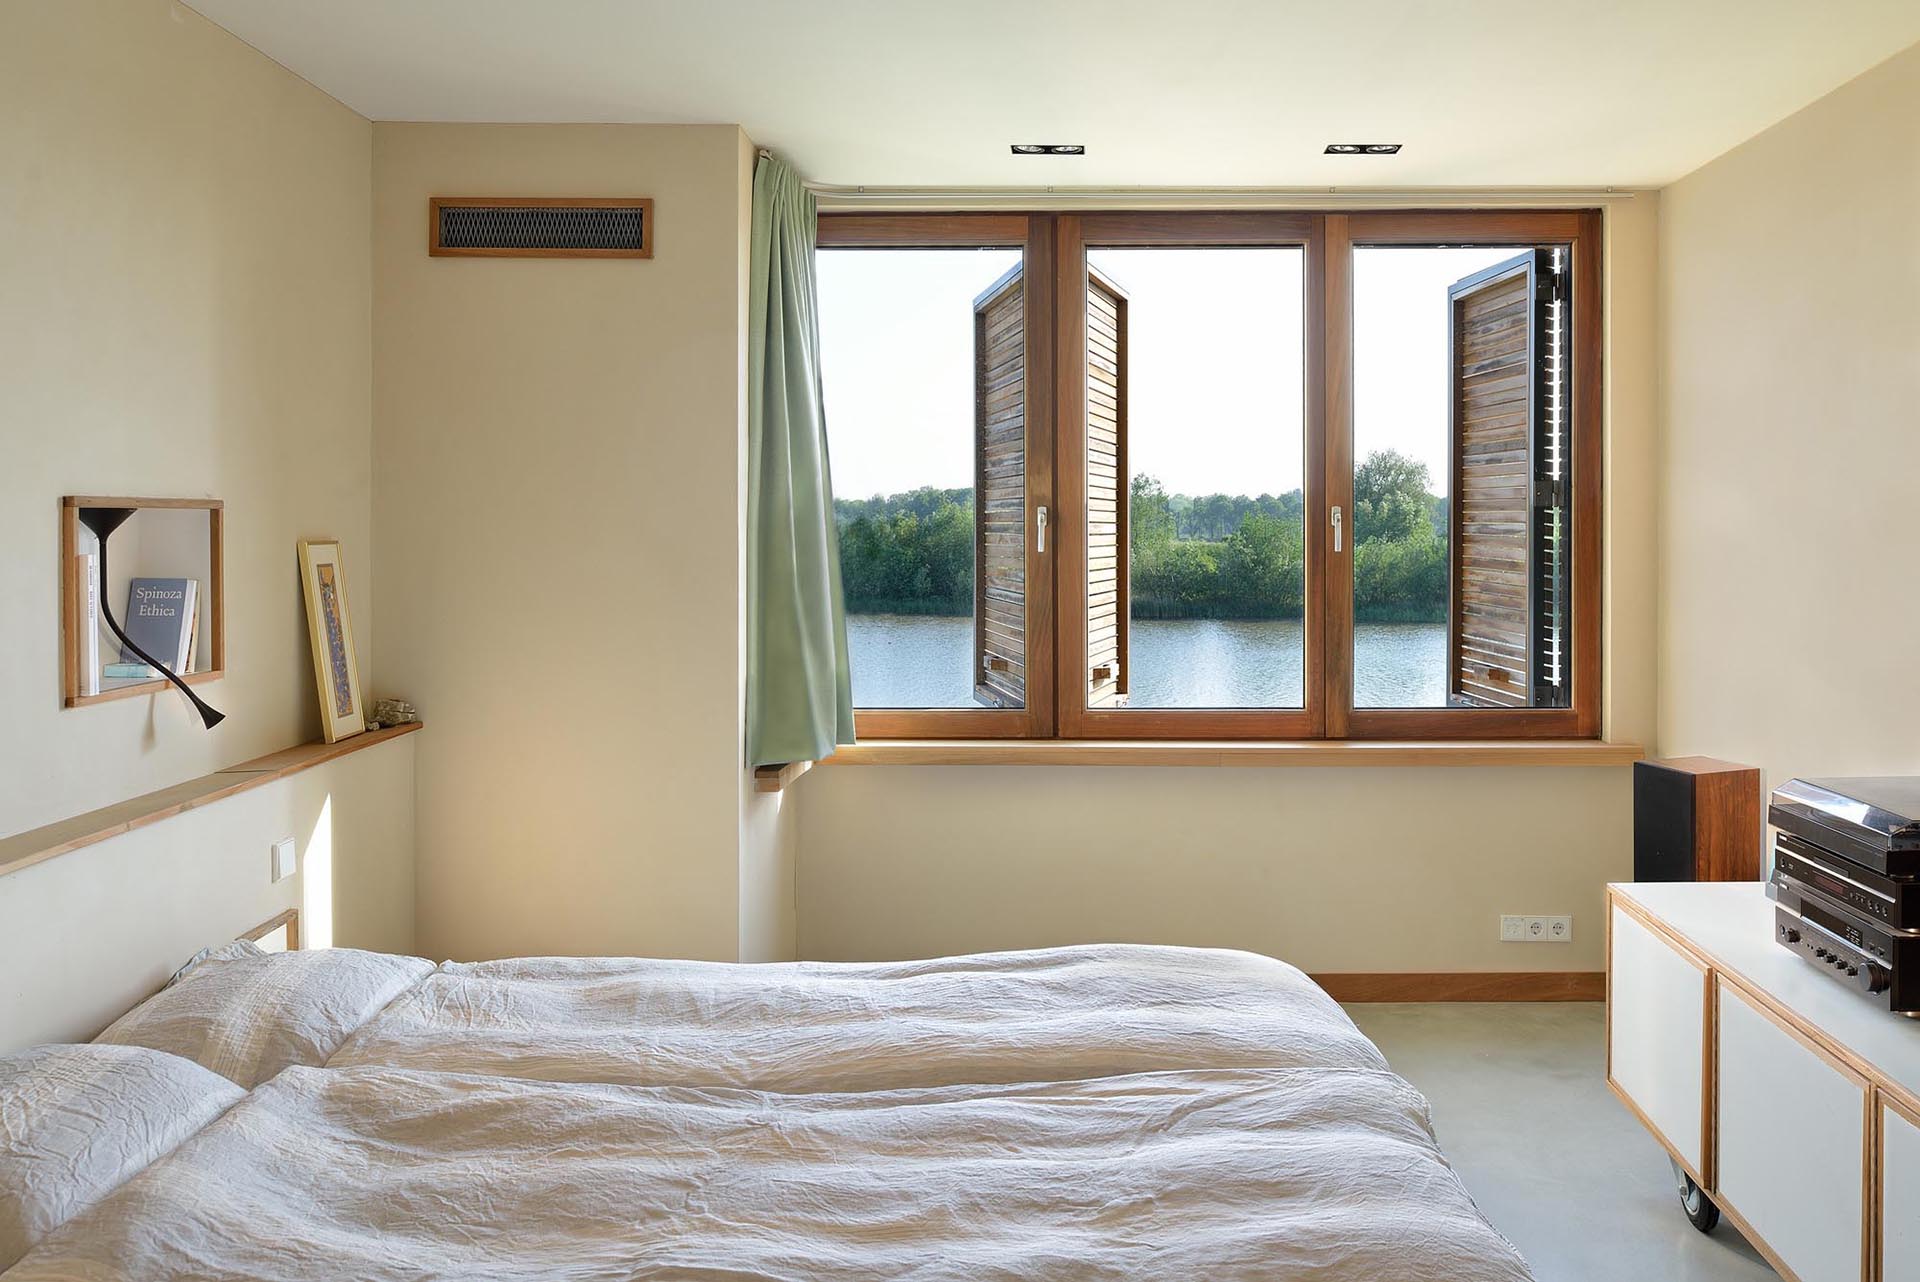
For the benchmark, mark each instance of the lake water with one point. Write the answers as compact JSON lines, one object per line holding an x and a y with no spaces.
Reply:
{"x":921,"y":661}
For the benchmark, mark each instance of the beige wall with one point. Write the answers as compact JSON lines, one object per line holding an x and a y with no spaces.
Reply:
{"x":557,"y":493}
{"x":1789,"y":277}
{"x":85,"y":936}
{"x":769,"y":877}
{"x":185,"y":311}
{"x":1334,"y":870}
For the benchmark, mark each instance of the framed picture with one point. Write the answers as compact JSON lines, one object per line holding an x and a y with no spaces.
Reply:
{"x":330,"y":628}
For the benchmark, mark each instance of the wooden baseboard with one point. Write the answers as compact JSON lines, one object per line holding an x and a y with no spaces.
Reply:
{"x":1467,"y":986}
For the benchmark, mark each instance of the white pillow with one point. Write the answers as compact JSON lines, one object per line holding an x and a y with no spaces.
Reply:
{"x":76,"y":1122}
{"x":246,"y":1014}
{"x":219,"y":952}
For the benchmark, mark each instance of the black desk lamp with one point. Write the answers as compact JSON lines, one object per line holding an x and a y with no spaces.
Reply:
{"x":103,"y":521}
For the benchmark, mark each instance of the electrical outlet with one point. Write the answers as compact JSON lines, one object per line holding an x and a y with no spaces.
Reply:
{"x":1535,"y":930}
{"x":284,"y":862}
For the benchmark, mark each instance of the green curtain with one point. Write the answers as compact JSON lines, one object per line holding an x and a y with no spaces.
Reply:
{"x":799,"y":695}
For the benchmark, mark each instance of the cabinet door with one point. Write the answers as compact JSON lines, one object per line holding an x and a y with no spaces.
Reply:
{"x":1791,"y":1135}
{"x":1656,"y":1036}
{"x":1899,"y":1197}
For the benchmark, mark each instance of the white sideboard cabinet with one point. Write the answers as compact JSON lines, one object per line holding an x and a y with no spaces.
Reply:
{"x":1786,"y":1100}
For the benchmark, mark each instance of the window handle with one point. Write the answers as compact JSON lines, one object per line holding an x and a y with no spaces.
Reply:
{"x":1040,"y":529}
{"x":1336,"y":529}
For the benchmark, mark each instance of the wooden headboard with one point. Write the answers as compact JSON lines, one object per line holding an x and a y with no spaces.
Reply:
{"x":286,"y":925}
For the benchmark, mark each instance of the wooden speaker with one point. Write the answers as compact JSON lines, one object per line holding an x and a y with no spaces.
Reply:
{"x":1695,"y":819}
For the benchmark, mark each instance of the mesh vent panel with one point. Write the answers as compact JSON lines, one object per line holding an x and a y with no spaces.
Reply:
{"x":541,"y":227}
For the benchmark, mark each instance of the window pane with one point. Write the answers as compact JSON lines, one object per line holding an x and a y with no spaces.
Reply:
{"x":1458,"y":560}
{"x":1196,"y":372}
{"x":914,"y":426}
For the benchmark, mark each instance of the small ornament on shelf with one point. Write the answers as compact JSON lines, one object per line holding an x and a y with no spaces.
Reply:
{"x":392,"y":712}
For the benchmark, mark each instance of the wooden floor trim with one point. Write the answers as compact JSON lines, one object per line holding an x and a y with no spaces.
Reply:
{"x":1466,"y":986}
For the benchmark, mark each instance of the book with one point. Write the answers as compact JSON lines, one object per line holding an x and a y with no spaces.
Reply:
{"x":193,"y":625}
{"x":160,"y":620}
{"x":88,"y":628}
{"x":128,"y":671}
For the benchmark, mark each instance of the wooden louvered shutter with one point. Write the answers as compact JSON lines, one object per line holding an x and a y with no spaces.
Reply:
{"x":1507,"y":625}
{"x":999,"y":489}
{"x":1107,"y":480}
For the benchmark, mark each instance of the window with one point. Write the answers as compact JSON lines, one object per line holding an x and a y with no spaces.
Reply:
{"x":939,"y":482}
{"x":1217,"y":475}
{"x":1195,"y":460}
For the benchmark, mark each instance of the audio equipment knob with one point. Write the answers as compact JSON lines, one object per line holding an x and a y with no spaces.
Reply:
{"x":1874,"y":979}
{"x":1792,"y":935}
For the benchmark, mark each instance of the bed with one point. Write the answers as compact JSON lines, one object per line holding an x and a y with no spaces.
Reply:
{"x":1102,"y":1112}
{"x":1048,"y":1015}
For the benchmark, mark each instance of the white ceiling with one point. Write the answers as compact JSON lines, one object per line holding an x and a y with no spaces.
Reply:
{"x":1201,"y":93}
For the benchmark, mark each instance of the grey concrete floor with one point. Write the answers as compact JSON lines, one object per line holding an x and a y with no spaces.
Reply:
{"x":1521,"y":1105}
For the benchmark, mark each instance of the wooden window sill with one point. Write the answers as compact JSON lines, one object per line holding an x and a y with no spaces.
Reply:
{"x":1345,"y":752}
{"x":41,"y":844}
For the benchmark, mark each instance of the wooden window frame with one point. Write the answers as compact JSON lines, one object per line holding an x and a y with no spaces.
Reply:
{"x":1055,"y":245}
{"x":1580,"y":231}
{"x":1182,"y":231}
{"x":1035,"y":235}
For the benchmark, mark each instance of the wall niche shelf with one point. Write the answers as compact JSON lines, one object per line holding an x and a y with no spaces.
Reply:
{"x":163,"y":539}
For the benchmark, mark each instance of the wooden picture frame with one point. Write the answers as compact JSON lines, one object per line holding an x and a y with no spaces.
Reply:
{"x":73,"y":591}
{"x":336,"y":669}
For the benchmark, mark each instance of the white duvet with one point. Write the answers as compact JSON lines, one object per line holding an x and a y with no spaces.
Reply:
{"x":1291,"y":1173}
{"x":1051,"y":1015}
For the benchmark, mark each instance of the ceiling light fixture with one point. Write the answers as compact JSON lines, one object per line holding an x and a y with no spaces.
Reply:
{"x":1049,"y":149}
{"x":1362,"y":148}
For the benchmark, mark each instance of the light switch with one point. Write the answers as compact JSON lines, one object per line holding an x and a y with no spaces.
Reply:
{"x":284,"y":864}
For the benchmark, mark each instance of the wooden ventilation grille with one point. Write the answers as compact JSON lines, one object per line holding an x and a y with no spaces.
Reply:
{"x":539,"y":227}
{"x":1511,"y":527}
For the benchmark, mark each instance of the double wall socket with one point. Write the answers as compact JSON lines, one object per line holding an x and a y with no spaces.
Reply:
{"x":1536,"y":930}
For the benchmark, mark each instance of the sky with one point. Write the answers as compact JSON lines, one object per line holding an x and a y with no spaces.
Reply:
{"x":1215,"y":399}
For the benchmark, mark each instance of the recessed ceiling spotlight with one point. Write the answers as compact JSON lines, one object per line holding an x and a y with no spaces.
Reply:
{"x":1362,"y":148}
{"x":1049,"y":149}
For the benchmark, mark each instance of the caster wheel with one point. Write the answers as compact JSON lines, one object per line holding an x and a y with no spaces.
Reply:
{"x":1701,"y":1212}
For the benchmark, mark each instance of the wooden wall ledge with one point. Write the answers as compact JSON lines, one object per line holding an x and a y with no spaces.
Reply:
{"x":41,"y":844}
{"x":1133,"y":752}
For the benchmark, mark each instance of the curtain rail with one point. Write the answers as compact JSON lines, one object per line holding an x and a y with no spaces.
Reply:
{"x":844,"y":197}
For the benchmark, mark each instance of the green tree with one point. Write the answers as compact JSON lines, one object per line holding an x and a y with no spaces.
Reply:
{"x":1206,"y":556}
{"x":1262,"y":568}
{"x":908,"y":554}
{"x":1176,"y":581}
{"x":1150,"y":520}
{"x":1401,"y":580}
{"x":1390,"y":498}
{"x":947,"y":542}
